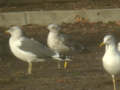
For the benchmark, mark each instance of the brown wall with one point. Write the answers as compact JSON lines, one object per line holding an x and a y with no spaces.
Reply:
{"x":9,"y":2}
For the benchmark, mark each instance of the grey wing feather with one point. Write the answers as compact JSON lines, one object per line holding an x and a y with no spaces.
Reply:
{"x":69,"y":42}
{"x":65,"y":39}
{"x":36,"y":48}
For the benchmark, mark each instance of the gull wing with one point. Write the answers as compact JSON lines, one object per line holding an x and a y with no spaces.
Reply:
{"x":30,"y":45}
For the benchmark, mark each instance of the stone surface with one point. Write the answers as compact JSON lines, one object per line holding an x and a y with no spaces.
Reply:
{"x":58,"y":17}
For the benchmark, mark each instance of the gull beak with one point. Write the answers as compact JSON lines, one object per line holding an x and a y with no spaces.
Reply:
{"x":101,"y":44}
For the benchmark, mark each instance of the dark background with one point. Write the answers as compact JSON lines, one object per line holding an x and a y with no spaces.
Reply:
{"x":22,"y":5}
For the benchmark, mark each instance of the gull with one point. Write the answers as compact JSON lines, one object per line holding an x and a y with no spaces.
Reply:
{"x":26,"y":49}
{"x":111,"y":58}
{"x":56,"y":41}
{"x":59,"y":42}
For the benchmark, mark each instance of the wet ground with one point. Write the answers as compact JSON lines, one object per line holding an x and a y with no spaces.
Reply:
{"x":85,"y":72}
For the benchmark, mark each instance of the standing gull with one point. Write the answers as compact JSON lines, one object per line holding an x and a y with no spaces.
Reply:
{"x":62,"y":44}
{"x":27,"y":49}
{"x":57,"y":42}
{"x":111,"y":58}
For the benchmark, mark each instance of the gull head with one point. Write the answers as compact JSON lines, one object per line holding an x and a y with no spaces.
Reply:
{"x":14,"y":31}
{"x":108,"y":39}
{"x":53,"y":28}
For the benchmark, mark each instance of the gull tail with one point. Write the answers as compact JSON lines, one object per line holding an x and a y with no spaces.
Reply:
{"x":57,"y":58}
{"x":61,"y":58}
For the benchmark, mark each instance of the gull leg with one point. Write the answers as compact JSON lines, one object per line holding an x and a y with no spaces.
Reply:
{"x":59,"y":65}
{"x":29,"y":67}
{"x":114,"y":82}
{"x":65,"y":64}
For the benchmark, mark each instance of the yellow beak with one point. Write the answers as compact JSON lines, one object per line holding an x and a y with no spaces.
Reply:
{"x":101,"y":44}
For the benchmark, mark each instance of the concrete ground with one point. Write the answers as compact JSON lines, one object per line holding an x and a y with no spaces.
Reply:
{"x":85,"y":72}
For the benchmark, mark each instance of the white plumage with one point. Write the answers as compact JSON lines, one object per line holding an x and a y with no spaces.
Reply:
{"x":111,"y":58}
{"x":57,"y":42}
{"x":27,"y":49}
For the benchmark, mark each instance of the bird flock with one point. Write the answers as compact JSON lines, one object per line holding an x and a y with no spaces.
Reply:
{"x":30,"y":50}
